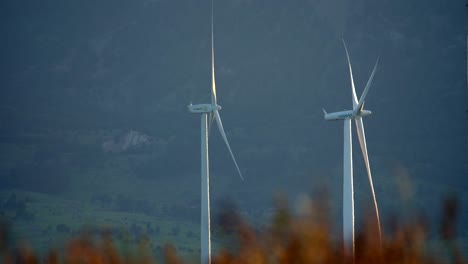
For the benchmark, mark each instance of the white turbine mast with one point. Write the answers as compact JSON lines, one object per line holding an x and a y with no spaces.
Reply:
{"x":209,"y":114}
{"x":356,"y":114}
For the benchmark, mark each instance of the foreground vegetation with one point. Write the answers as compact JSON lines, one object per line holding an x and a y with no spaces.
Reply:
{"x":303,"y":238}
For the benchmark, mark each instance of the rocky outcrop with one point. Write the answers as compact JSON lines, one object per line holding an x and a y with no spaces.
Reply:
{"x":129,"y":140}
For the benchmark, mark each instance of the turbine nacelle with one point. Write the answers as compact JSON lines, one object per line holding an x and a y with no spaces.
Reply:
{"x":350,"y":114}
{"x":203,"y":108}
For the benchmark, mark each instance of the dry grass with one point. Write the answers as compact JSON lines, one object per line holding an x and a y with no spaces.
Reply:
{"x":301,"y":239}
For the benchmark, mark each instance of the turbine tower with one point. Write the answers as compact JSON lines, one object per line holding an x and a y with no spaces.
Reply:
{"x":209,"y":114}
{"x":356,"y":114}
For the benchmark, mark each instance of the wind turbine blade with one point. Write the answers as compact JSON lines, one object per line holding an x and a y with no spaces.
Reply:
{"x":355,"y":101}
{"x":348,"y":192}
{"x":221,"y":130}
{"x":362,"y":142}
{"x":213,"y":82}
{"x":366,"y":89}
{"x":210,"y":123}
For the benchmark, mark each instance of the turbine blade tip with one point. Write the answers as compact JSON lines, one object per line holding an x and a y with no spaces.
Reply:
{"x":377,"y":61}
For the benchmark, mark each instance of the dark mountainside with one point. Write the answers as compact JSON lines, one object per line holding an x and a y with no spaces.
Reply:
{"x":93,"y":99}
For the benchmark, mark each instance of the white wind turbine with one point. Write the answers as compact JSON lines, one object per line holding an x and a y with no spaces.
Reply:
{"x":357,"y":113}
{"x":211,"y":110}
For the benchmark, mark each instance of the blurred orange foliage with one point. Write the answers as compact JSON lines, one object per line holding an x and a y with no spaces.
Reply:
{"x":304,"y":238}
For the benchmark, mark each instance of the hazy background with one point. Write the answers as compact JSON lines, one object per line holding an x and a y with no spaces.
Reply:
{"x":93,"y":102}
